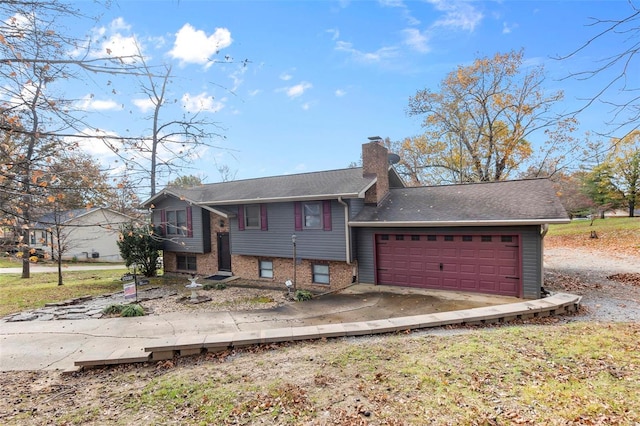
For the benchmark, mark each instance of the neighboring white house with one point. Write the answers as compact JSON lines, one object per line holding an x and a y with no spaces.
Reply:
{"x":86,"y":234}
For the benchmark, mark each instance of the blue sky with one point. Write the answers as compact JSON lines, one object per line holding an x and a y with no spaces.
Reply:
{"x":325,"y":75}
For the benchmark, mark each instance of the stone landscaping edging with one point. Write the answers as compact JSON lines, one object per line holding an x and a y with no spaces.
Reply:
{"x":557,"y":304}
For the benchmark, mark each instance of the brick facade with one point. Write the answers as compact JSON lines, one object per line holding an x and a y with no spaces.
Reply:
{"x":341,"y":274}
{"x":375,"y":161}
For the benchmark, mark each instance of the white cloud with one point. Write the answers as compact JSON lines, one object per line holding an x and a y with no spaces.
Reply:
{"x":335,"y":33}
{"x":89,"y":103}
{"x":459,"y":15}
{"x":285,"y":76}
{"x":297,"y":90}
{"x":340,"y":93}
{"x":194,"y":46}
{"x":506,"y":28}
{"x":201,"y":102}
{"x":416,"y":40}
{"x":143,"y":104}
{"x":369,"y":57}
{"x":255,"y":92}
{"x":95,"y":142}
{"x":119,"y":24}
{"x":306,"y":106}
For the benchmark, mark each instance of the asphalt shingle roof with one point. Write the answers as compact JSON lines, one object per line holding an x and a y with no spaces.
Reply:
{"x":523,"y":200}
{"x":332,"y":183}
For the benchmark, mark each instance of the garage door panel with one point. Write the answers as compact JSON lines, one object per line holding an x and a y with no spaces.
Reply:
{"x":468,"y":263}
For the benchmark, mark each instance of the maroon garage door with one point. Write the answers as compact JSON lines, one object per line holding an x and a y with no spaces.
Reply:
{"x":480,"y":263}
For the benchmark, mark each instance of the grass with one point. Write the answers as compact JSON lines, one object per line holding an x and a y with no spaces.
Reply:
{"x":558,"y":374}
{"x":20,"y":294}
{"x":608,"y":225}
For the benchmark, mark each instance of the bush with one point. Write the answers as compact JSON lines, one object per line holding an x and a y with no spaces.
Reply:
{"x":113,"y":309}
{"x":140,"y":245}
{"x":132,"y":311}
{"x":216,"y":286}
{"x":302,"y":295}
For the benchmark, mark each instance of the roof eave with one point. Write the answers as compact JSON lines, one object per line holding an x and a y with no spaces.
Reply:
{"x":435,"y":224}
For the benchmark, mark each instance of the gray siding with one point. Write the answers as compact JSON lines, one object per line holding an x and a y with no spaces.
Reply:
{"x":530,"y":250}
{"x":355,"y":206}
{"x":276,"y":241}
{"x":201,"y":240}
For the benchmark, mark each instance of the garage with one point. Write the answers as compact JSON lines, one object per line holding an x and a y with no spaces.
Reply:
{"x":484,"y":263}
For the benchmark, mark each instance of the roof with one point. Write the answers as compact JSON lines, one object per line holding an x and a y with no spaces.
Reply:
{"x":493,"y":203}
{"x":346,"y":183}
{"x":62,"y":217}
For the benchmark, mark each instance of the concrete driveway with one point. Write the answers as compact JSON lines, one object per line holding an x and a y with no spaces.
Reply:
{"x":56,"y":345}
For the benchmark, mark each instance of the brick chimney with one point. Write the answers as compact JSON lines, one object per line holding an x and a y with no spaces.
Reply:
{"x":375,"y":162}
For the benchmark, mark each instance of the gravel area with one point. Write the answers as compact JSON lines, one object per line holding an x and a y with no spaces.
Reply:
{"x":589,"y":274}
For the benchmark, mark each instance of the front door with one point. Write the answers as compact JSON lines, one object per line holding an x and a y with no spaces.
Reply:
{"x":224,"y":252}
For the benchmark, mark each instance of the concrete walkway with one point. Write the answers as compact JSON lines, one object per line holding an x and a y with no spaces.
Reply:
{"x":67,"y":345}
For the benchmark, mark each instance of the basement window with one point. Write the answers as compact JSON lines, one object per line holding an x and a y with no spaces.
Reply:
{"x":415,"y":238}
{"x":432,"y":238}
{"x":467,"y":238}
{"x":399,"y":237}
{"x":384,"y":237}
{"x":320,"y":273}
{"x":186,"y":263}
{"x":485,"y":238}
{"x":506,"y":239}
{"x":266,"y":268}
{"x":448,"y":237}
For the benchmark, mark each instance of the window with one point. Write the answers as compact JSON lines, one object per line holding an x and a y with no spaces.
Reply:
{"x":384,"y":237}
{"x":506,"y":239}
{"x":448,"y":237}
{"x":320,"y":273}
{"x":467,"y":238}
{"x":432,"y":238}
{"x":312,"y":218}
{"x":314,"y":215}
{"x":485,"y":238}
{"x":415,"y":238}
{"x":266,"y":269}
{"x":252,"y":216}
{"x":176,"y":221}
{"x":399,"y":237}
{"x":186,"y":263}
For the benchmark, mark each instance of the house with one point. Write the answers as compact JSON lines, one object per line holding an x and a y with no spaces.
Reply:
{"x":361,"y":225}
{"x":84,"y":234}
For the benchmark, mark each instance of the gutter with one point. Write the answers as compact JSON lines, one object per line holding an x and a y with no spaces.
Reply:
{"x":435,"y":224}
{"x":313,"y":197}
{"x":347,"y":233}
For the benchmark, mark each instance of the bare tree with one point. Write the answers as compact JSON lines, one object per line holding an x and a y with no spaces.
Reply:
{"x":35,"y":54}
{"x":621,"y":87}
{"x":172,"y":141}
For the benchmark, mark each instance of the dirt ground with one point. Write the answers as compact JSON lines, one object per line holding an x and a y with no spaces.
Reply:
{"x":608,"y":282}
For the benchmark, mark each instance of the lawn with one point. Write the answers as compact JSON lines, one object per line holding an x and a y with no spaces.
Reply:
{"x":615,"y":235}
{"x":553,"y":374}
{"x":19,"y":294}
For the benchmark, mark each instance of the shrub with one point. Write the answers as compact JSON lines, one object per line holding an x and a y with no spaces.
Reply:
{"x":132,"y":311}
{"x":113,"y":309}
{"x":302,"y":295}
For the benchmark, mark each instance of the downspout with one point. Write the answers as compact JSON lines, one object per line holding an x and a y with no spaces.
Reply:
{"x":347,"y":233}
{"x":544,"y":228}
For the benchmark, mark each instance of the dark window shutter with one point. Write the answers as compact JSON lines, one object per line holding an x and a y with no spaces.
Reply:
{"x":326,"y":215}
{"x":297,"y":211}
{"x":263,"y":217}
{"x":240,"y":218}
{"x":189,"y":222}
{"x":163,"y":222}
